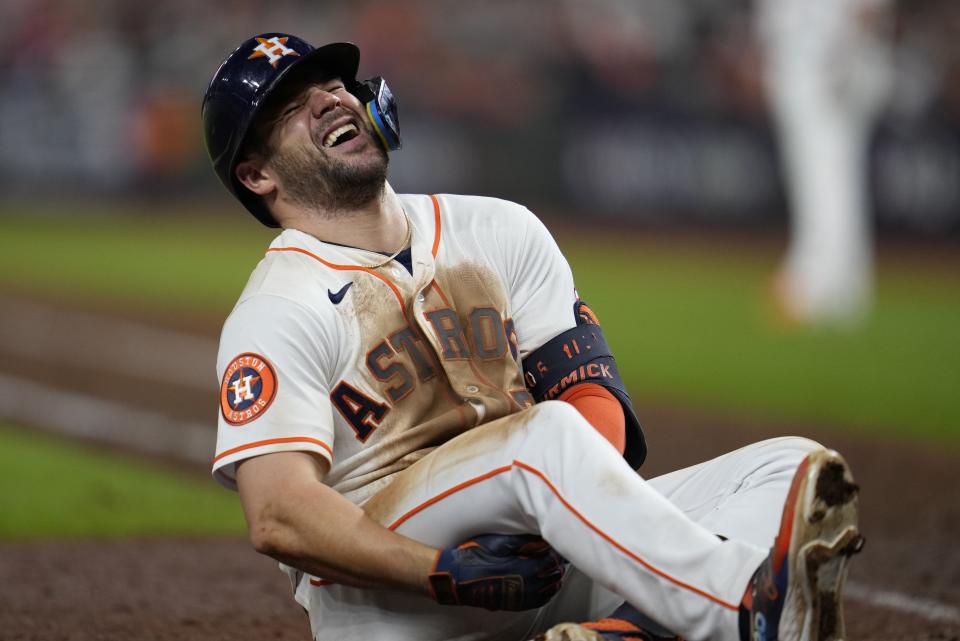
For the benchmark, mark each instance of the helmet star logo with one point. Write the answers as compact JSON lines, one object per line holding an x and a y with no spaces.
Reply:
{"x":273,"y":49}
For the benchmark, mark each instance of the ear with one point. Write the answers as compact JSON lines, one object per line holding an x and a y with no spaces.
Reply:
{"x":252,"y":175}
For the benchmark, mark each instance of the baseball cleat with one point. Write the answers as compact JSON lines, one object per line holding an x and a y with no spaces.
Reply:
{"x":625,"y":624}
{"x":796,"y":593}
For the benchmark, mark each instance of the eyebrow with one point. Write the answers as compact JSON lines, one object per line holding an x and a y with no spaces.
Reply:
{"x":280,"y":104}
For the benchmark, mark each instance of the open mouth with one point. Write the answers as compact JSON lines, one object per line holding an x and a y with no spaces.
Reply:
{"x":340,"y":135}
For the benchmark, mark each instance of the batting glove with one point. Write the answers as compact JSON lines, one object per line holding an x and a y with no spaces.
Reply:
{"x":497,"y":572}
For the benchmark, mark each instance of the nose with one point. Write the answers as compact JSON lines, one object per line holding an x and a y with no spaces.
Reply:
{"x":321,"y":102}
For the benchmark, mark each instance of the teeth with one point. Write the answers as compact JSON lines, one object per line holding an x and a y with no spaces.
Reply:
{"x":336,"y":133}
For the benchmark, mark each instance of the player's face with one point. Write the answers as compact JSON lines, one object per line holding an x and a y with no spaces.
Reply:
{"x":323,"y":150}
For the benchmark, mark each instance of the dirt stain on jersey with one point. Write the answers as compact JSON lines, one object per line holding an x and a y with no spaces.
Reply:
{"x":446,"y":467}
{"x":466,"y":288}
{"x":616,"y":481}
{"x":429,"y":415}
{"x":460,"y":394}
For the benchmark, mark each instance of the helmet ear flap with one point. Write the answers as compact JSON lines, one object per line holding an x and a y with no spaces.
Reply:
{"x":381,"y":108}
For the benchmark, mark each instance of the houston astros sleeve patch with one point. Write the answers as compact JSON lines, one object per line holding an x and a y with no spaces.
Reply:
{"x":248,"y":387}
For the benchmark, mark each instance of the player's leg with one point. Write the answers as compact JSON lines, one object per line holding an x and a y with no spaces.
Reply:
{"x":547,"y":471}
{"x":444,"y":499}
{"x":827,"y":75}
{"x":739,"y":495}
{"x":789,"y":493}
{"x":827,"y":272}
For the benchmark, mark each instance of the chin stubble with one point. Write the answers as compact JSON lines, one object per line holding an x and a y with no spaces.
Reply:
{"x":319,"y":182}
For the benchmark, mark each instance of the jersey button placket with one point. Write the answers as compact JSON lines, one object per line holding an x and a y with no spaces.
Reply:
{"x":476,"y":404}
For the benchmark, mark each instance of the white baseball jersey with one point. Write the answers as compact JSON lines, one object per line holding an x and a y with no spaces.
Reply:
{"x":410,"y":385}
{"x":372,"y":369}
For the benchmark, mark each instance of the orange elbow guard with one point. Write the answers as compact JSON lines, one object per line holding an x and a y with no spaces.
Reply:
{"x":601,"y":409}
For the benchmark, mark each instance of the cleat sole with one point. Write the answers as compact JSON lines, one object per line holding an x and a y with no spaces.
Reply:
{"x":825,"y":536}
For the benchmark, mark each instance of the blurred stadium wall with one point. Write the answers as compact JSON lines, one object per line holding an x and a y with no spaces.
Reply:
{"x":631,"y":110}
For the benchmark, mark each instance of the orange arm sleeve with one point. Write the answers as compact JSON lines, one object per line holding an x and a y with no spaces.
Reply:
{"x":601,"y":409}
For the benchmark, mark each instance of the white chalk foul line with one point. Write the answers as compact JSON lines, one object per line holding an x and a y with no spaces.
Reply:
{"x":78,"y":415}
{"x":889,"y":599}
{"x":105,"y":344}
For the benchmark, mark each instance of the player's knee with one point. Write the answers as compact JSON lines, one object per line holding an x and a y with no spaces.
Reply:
{"x":799,"y":444}
{"x":792,"y":449}
{"x":560,"y":413}
{"x":559,"y":422}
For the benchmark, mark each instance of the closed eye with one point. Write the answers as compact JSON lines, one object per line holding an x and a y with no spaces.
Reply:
{"x":297,"y":103}
{"x":290,"y":110}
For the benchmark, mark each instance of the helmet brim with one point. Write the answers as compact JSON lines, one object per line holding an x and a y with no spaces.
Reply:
{"x":338,"y":59}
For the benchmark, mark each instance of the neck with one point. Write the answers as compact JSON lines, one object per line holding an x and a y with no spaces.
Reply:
{"x":376,"y":226}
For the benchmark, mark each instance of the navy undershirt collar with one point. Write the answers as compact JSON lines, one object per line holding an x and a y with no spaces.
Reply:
{"x":405,"y":257}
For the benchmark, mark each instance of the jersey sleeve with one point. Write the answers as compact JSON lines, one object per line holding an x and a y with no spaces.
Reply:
{"x":542,"y":293}
{"x":274,"y":364}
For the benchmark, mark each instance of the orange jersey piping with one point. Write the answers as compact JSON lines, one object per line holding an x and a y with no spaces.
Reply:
{"x":273,"y":441}
{"x":606,"y":537}
{"x":359,"y":268}
{"x":436,"y":225}
{"x":445,"y":494}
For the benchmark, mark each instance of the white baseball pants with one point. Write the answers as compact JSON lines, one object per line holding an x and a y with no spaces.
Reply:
{"x":547,"y":471}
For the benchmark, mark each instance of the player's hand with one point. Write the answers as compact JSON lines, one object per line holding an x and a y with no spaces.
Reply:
{"x":497,"y":572}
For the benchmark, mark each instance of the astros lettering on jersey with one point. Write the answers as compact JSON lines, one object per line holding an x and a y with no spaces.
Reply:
{"x":372,"y":369}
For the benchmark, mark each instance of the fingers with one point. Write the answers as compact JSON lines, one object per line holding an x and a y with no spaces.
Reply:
{"x":537,"y":547}
{"x":549,"y":577}
{"x":548,"y":591}
{"x":498,"y":572}
{"x":510,"y":544}
{"x":554,"y":572}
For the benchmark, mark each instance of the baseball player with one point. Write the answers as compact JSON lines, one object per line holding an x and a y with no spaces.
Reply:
{"x":828,"y":73}
{"x":427,"y":428}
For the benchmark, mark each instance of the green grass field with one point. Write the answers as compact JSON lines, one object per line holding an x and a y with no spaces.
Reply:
{"x":697,"y":330}
{"x":52,"y":488}
{"x":145,"y":260}
{"x":688,"y":326}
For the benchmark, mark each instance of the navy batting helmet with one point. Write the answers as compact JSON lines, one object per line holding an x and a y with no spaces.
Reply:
{"x":240,"y":88}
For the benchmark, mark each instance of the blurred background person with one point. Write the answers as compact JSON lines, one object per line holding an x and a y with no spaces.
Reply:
{"x":828,"y":71}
